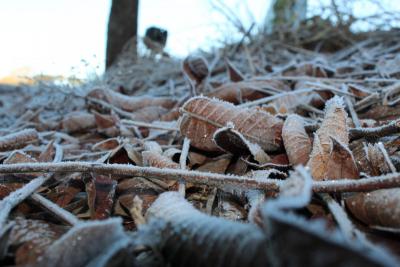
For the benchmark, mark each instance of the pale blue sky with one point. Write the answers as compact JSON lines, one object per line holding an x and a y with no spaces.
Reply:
{"x":54,"y":36}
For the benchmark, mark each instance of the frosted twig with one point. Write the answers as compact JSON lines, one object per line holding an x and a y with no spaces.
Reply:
{"x":211,"y":179}
{"x":386,"y":157}
{"x":19,"y":195}
{"x":195,"y":177}
{"x":338,"y":80}
{"x":376,"y":132}
{"x":55,"y":209}
{"x":18,"y":139}
{"x":182,"y":163}
{"x":148,"y":125}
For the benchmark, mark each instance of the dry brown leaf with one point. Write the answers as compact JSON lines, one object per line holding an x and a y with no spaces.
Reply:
{"x":32,"y":237}
{"x":318,"y":160}
{"x":296,"y":141}
{"x":149,"y":114}
{"x":100,"y":193}
{"x":376,"y":208}
{"x":48,"y":154}
{"x":130,"y":103}
{"x":341,"y":163}
{"x":203,"y":116}
{"x":230,"y":140}
{"x":237,"y":92}
{"x":334,"y":124}
{"x":216,"y":165}
{"x":154,"y":159}
{"x":196,"y":68}
{"x":233,"y":73}
{"x":78,"y":121}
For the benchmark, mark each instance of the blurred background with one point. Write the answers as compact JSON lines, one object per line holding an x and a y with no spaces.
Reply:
{"x":69,"y":37}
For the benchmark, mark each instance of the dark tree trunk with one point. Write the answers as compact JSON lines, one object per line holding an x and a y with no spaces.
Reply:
{"x":122,"y":26}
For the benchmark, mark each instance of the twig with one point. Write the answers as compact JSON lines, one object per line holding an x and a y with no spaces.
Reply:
{"x":55,"y":209}
{"x":386,"y":157}
{"x":376,"y":132}
{"x":308,"y":78}
{"x":196,"y":177}
{"x":148,"y":125}
{"x":18,"y":139}
{"x":19,"y":195}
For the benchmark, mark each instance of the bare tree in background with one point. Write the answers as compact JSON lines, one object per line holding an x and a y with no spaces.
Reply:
{"x":288,"y":13}
{"x":122,"y":26}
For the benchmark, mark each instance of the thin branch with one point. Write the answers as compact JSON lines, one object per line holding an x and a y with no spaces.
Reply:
{"x":19,"y":195}
{"x":18,"y":139}
{"x":376,"y":132}
{"x":211,"y":179}
{"x":55,"y":209}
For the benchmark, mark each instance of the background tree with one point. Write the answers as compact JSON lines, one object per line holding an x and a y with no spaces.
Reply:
{"x":286,"y":13}
{"x":122,"y":26}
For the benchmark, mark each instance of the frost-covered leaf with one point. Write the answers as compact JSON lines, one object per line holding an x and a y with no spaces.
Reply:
{"x":376,"y":208}
{"x":318,"y":160}
{"x":93,"y":243}
{"x":78,"y":121}
{"x":230,"y":140}
{"x":196,"y":68}
{"x":341,"y":163}
{"x":248,"y":90}
{"x":100,"y":194}
{"x":334,"y":124}
{"x":203,"y":116}
{"x":130,"y":103}
{"x":296,"y":141}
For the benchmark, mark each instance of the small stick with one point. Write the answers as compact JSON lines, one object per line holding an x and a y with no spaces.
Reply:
{"x":148,"y":125}
{"x":375,"y":132}
{"x":386,"y":157}
{"x":19,"y":195}
{"x":55,"y":209}
{"x":18,"y":139}
{"x":182,"y":163}
{"x":196,"y":177}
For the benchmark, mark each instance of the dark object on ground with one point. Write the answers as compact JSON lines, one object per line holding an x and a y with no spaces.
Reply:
{"x":155,"y":39}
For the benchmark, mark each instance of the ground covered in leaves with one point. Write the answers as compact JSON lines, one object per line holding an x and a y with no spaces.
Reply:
{"x":273,"y":150}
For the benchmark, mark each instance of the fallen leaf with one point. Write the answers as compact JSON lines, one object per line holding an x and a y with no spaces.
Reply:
{"x":130,"y":103}
{"x":100,"y":194}
{"x":334,"y":124}
{"x":203,"y":116}
{"x":376,"y":208}
{"x":230,"y":140}
{"x":296,"y":141}
{"x":341,"y":163}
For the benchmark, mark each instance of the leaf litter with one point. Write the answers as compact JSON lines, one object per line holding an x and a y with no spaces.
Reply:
{"x":271,"y":151}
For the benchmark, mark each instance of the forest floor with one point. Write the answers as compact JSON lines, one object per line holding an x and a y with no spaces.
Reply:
{"x":280,"y":149}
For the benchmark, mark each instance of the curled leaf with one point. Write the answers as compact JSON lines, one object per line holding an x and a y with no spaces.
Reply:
{"x":238,"y":92}
{"x":196,"y":68}
{"x":318,"y":160}
{"x":232,"y":141}
{"x":341,"y":163}
{"x":203,"y":116}
{"x":296,"y":141}
{"x":334,"y":124}
{"x":377,"y":208}
{"x":130,"y":103}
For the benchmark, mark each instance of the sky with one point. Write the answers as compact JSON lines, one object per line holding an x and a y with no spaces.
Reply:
{"x":68,"y":37}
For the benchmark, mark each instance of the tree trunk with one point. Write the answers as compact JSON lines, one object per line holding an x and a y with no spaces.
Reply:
{"x":122,"y":26}
{"x":285,"y":13}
